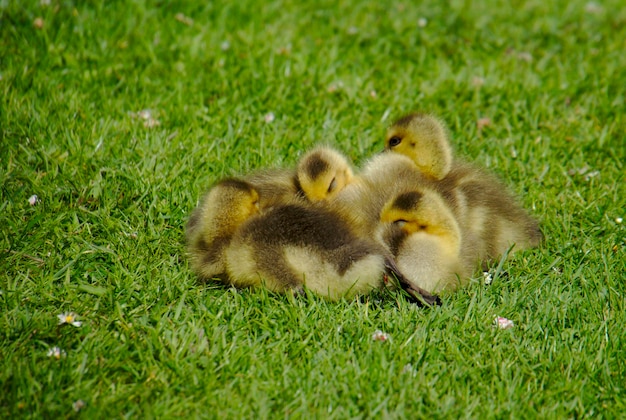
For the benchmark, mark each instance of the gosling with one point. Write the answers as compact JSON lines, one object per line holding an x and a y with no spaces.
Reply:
{"x":422,"y":234}
{"x":489,"y":216}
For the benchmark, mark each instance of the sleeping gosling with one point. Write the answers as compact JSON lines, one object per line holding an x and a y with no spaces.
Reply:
{"x":489,"y":216}
{"x":300,"y":245}
{"x":422,"y":234}
{"x":229,"y":203}
{"x":213,"y":223}
{"x":294,"y":246}
{"x":322,"y":173}
{"x":384,"y":176}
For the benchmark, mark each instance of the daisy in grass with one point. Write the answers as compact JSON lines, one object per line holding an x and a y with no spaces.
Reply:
{"x":69,"y":318}
{"x":56,"y":352}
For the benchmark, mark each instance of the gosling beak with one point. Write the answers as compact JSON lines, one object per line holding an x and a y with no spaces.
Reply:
{"x":416,"y":294}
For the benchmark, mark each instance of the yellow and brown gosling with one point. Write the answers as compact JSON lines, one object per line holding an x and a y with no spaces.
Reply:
{"x":228,"y":205}
{"x":294,"y":246}
{"x":322,"y":173}
{"x":422,"y":234}
{"x":423,"y":138}
{"x":284,"y":247}
{"x":490,"y":217}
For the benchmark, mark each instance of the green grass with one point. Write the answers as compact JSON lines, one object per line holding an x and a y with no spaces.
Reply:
{"x":106,"y":238}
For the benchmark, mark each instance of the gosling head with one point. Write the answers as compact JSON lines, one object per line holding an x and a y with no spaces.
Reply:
{"x":230,"y":203}
{"x":420,"y":212}
{"x":322,"y":173}
{"x":424,"y":139}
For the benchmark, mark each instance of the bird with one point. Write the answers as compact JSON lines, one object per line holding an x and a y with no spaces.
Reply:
{"x":387,"y":174}
{"x":491,"y":219}
{"x":424,"y":237}
{"x":211,"y":226}
{"x":424,"y":240}
{"x":322,"y":173}
{"x":286,"y":247}
{"x":295,"y":246}
{"x":424,"y":139}
{"x":319,"y":174}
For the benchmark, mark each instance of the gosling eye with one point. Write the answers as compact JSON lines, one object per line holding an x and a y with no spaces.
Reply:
{"x":333,"y":185}
{"x":400,"y":223}
{"x":394,"y":141}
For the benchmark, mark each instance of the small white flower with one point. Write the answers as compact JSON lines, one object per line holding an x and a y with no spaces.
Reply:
{"x":503,"y":323}
{"x":78,"y":405}
{"x":380,"y":336}
{"x":409,"y":370}
{"x":334,"y":87}
{"x":590,"y":175}
{"x":488,"y":278}
{"x":618,"y":220}
{"x":149,"y":121}
{"x":269,"y":117}
{"x":422,"y":22}
{"x":56,"y":352}
{"x":69,"y":318}
{"x":579,"y":171}
{"x":225,"y":46}
{"x":33,"y":199}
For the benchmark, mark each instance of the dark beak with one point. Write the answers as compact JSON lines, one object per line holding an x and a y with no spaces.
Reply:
{"x":416,"y":294}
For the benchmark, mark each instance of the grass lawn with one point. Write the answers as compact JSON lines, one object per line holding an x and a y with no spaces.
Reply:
{"x":534,"y":92}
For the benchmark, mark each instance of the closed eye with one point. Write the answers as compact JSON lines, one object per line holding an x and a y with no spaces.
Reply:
{"x":333,"y":185}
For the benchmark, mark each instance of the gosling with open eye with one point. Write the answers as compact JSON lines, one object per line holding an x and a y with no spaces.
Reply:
{"x":490,"y":217}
